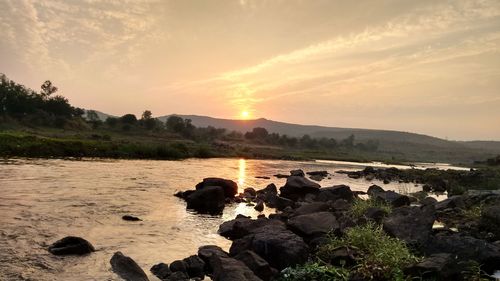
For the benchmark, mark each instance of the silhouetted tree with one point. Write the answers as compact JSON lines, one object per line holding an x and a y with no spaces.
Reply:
{"x":128,"y":119}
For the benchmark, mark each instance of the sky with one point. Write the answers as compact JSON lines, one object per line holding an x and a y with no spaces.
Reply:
{"x":430,"y":67}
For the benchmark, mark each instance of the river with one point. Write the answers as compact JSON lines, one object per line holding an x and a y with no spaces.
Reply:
{"x":43,"y":200}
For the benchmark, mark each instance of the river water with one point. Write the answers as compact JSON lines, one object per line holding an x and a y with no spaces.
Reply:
{"x":43,"y":200}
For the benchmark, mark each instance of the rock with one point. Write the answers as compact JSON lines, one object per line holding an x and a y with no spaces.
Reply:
{"x":230,"y":269}
{"x":240,"y":227}
{"x":130,"y":218}
{"x":375,"y":214}
{"x":490,"y":220}
{"x":250,"y":191}
{"x":343,"y":256}
{"x":297,"y":173}
{"x":334,"y":193}
{"x":263,"y":177}
{"x":260,"y":206}
{"x":313,"y":225}
{"x":316,"y":178}
{"x":230,"y":187}
{"x":465,"y":248}
{"x":428,"y":201}
{"x":386,"y":181}
{"x":341,"y":205}
{"x":411,"y":224}
{"x":450,"y":203}
{"x":161,"y":271}
{"x":178,"y":276}
{"x":282,"y":203}
{"x":127,"y":268}
{"x":258,"y":265}
{"x":281,"y":176}
{"x":178,"y":265}
{"x":310,"y":208}
{"x":318,"y":173}
{"x":195,"y":267}
{"x":439,"y":266}
{"x":268,"y":194}
{"x":279,"y":246}
{"x":71,"y":245}
{"x":374,"y":189}
{"x":297,"y":187}
{"x":208,"y":200}
{"x":393,"y":198}
{"x":206,"y":252}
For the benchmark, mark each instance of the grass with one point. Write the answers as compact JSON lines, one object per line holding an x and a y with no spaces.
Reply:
{"x":360,"y":206}
{"x":314,"y":271}
{"x":473,"y":213}
{"x":382,"y":256}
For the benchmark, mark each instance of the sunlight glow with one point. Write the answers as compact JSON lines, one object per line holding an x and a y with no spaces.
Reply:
{"x":245,"y":114}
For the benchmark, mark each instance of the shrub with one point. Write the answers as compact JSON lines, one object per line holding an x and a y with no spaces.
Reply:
{"x":360,"y":206}
{"x":382,"y":257}
{"x":313,"y":271}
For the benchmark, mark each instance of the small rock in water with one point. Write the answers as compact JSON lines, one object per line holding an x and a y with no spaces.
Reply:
{"x":130,"y":218}
{"x":259,"y":207}
{"x":71,"y":245}
{"x":161,"y":271}
{"x":127,"y":268}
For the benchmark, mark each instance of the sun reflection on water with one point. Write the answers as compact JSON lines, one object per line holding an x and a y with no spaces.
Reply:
{"x":241,"y":173}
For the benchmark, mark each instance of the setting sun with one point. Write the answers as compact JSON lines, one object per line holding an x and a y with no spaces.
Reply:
{"x":245,"y":114}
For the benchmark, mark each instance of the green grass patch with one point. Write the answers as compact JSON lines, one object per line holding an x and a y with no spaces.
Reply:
{"x":314,"y":271}
{"x":360,"y":206}
{"x":381,"y":256}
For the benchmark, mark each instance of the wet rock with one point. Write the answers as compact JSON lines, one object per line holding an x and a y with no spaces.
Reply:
{"x":71,"y":245}
{"x":279,"y":246}
{"x":334,"y":193}
{"x":161,"y":271}
{"x":297,"y":173}
{"x":260,"y":206}
{"x":230,"y":269}
{"x":374,"y":189}
{"x":195,"y":267}
{"x":263,"y":177}
{"x":178,"y":276}
{"x":268,"y":194}
{"x":297,"y":187}
{"x":318,"y":173}
{"x":206,"y":252}
{"x":250,"y":191}
{"x":428,"y":201}
{"x":127,"y":268}
{"x":209,"y":200}
{"x":130,"y":218}
{"x":465,"y":248}
{"x":411,"y":224}
{"x":313,"y":225}
{"x":258,"y":265}
{"x":393,"y":198}
{"x":310,"y":208}
{"x":450,"y":203}
{"x":178,"y":265}
{"x":240,"y":227}
{"x":281,"y":176}
{"x":230,"y":187}
{"x":282,"y":203}
{"x":316,"y":178}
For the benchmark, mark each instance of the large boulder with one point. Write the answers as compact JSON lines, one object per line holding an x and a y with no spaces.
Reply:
{"x":161,"y":271}
{"x":258,"y":265}
{"x":490,"y":220}
{"x":309,"y":208}
{"x":243,"y":226}
{"x":71,"y":245}
{"x":230,"y":269}
{"x":297,"y":173}
{"x":334,"y":193}
{"x":297,"y":187}
{"x":230,"y":187}
{"x":313,"y":225}
{"x":411,"y":224}
{"x":206,"y":252}
{"x":195,"y":267}
{"x":393,"y":198}
{"x":450,"y":203}
{"x":208,"y":200}
{"x":440,"y":266}
{"x":127,"y":268}
{"x":279,"y":246}
{"x":374,"y":190}
{"x":466,"y":248}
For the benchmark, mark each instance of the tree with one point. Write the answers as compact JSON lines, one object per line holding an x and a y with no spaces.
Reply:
{"x":92,"y":116}
{"x":257,"y":133}
{"x":348,"y":142}
{"x":128,"y":119}
{"x":47,"y":89}
{"x":146,"y":115}
{"x":175,"y":124}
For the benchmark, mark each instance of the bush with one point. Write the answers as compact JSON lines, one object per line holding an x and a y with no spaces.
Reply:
{"x":360,"y":206}
{"x":382,"y":257}
{"x":313,"y":271}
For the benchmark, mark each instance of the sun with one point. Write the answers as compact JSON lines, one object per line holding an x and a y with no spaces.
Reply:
{"x":245,"y":114}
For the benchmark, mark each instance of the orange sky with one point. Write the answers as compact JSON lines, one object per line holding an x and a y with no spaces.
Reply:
{"x":430,"y":67}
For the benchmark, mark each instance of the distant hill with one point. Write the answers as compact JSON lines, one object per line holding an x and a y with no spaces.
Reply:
{"x":102,"y":116}
{"x":394,"y":142}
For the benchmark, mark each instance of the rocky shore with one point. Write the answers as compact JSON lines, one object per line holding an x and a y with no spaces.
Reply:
{"x":332,"y":233}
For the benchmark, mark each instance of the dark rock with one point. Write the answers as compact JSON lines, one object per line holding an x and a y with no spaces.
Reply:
{"x":297,"y":187}
{"x":297,"y":173}
{"x":195,"y":267}
{"x":71,"y":245}
{"x":393,"y":198}
{"x":263,"y":177}
{"x":315,"y":224}
{"x":375,"y":214}
{"x":230,"y":269}
{"x":208,"y":200}
{"x":411,"y":224}
{"x":178,"y":276}
{"x":281,"y":176}
{"x":230,"y":187}
{"x":130,"y":218}
{"x":258,"y":265}
{"x":268,"y":194}
{"x":374,"y":189}
{"x":450,"y":203}
{"x":318,"y":173}
{"x":386,"y":181}
{"x":341,"y":205}
{"x":240,"y":227}
{"x":490,"y":220}
{"x":206,"y":252}
{"x":178,"y":265}
{"x":260,"y":206}
{"x":343,"y":256}
{"x":161,"y":271}
{"x":127,"y":268}
{"x":310,"y":208}
{"x":316,"y":178}
{"x":440,"y":266}
{"x":279,"y":246}
{"x":465,"y":248}
{"x":250,"y":191}
{"x":335,"y":192}
{"x":428,"y":201}
{"x":282,"y":203}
